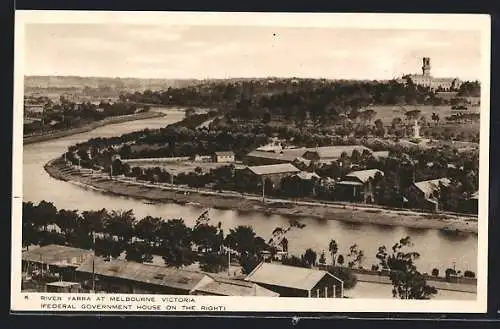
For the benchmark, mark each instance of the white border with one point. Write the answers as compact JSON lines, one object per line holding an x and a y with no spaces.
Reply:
{"x":351,"y":20}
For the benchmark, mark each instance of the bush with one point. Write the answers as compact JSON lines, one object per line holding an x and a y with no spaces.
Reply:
{"x":435,"y":272}
{"x":450,"y":272}
{"x":469,"y":274}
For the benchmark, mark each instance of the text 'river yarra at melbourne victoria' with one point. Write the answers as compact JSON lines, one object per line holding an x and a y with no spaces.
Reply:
{"x":251,"y":161}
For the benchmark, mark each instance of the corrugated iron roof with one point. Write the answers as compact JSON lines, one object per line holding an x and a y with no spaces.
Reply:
{"x":287,"y":276}
{"x":274,"y":169}
{"x":364,"y":175}
{"x":228,"y":287}
{"x":225,"y":153}
{"x":430,"y":186}
{"x":335,"y":152}
{"x":307,"y":175}
{"x":146,"y":273}
{"x":54,"y":254}
{"x":284,"y":155}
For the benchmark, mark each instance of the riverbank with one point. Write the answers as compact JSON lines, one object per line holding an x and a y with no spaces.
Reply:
{"x":252,"y":203}
{"x":92,"y":126}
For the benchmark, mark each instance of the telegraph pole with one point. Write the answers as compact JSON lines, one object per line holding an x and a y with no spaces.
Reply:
{"x":228,"y":262}
{"x":93,"y":262}
{"x":263,"y":190}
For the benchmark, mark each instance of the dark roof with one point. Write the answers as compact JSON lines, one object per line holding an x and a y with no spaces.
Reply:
{"x":54,"y":254}
{"x":287,"y":155}
{"x":274,"y":169}
{"x":429,"y":186}
{"x":364,"y":175}
{"x":335,"y":152}
{"x":145,"y":273}
{"x":227,"y":153}
{"x":287,"y":276}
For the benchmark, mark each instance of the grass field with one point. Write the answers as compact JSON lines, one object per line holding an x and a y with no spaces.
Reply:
{"x":388,"y":112}
{"x":183,"y":167}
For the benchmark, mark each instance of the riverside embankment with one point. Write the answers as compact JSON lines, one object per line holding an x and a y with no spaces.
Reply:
{"x":91,"y":126}
{"x":253,"y":203}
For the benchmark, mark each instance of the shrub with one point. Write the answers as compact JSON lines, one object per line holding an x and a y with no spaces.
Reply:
{"x":435,"y":272}
{"x":469,"y":274}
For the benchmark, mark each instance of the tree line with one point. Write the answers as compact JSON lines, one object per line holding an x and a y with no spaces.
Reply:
{"x":112,"y":233}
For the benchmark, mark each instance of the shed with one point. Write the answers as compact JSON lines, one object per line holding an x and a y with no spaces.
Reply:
{"x":291,"y":281}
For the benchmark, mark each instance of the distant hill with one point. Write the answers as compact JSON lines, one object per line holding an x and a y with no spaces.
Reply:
{"x":33,"y":83}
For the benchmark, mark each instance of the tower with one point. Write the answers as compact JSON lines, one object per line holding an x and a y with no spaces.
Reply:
{"x":426,"y":67}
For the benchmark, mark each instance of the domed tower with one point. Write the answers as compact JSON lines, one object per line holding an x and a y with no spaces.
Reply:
{"x":426,"y":67}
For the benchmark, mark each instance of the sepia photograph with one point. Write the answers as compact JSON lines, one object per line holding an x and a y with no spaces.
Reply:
{"x":168,"y":161}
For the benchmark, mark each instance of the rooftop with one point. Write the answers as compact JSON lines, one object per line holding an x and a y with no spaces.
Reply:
{"x":146,"y":273}
{"x":307,"y":175}
{"x":63,"y":284}
{"x":429,"y":186}
{"x":232,"y":287}
{"x":285,"y":154}
{"x":295,"y":277}
{"x":55,"y":254}
{"x":225,"y":153}
{"x":273,"y":169}
{"x":335,"y":152}
{"x":365,"y":175}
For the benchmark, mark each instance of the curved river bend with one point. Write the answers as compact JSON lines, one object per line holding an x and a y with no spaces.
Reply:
{"x":437,"y":251}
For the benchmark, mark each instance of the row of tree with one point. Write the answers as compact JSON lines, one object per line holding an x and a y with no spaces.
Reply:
{"x":110,"y":233}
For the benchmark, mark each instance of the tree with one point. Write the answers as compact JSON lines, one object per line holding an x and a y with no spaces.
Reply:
{"x":213,"y":262}
{"x":310,"y":257}
{"x":175,"y":243}
{"x":322,"y":258}
{"x":379,"y":128}
{"x":46,"y":214}
{"x":294,"y":261}
{"x":435,"y":272}
{"x":407,"y":281}
{"x":244,"y":240}
{"x":140,"y":252}
{"x":333,"y":248}
{"x":355,"y":256}
{"x":340,"y":260}
{"x":148,"y":229}
{"x":345,"y":274}
{"x":206,"y":237}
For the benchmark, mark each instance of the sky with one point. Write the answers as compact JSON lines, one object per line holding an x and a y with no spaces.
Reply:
{"x":177,"y":52}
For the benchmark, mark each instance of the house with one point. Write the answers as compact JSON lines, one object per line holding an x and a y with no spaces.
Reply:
{"x":300,"y":184}
{"x":256,"y":178}
{"x":425,"y":194}
{"x":261,"y":158}
{"x":273,"y":172}
{"x":358,"y":185}
{"x":62,"y":260}
{"x":224,"y":157}
{"x":291,"y":281}
{"x":120,"y":276}
{"x":216,"y":286}
{"x":63,"y":287}
{"x":331,"y":153}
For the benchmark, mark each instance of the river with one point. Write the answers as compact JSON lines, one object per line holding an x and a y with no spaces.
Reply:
{"x":436,"y":250}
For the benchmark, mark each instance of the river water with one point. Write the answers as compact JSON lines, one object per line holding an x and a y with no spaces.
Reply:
{"x":437,"y":251}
